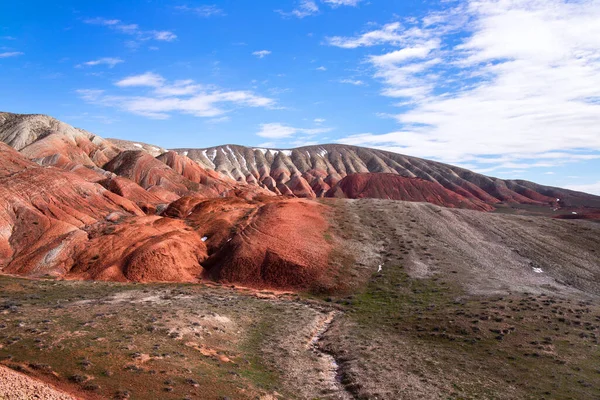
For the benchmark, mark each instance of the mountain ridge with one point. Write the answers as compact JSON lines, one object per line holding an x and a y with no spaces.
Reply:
{"x":321,"y":166}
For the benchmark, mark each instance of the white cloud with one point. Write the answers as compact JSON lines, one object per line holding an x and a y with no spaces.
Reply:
{"x":261,"y":53}
{"x":184,"y":96}
{"x":593,"y":188}
{"x":147,"y":79}
{"x":319,"y":120}
{"x":305,"y":8}
{"x":133,"y":29}
{"x":204,"y":11}
{"x":355,"y":82}
{"x":277,"y":130}
{"x":109,"y":61}
{"x":511,"y":79}
{"x":321,"y":68}
{"x":337,"y":3}
{"x":11,"y":54}
{"x":407,"y":53}
{"x":166,"y":36}
{"x":390,"y":33}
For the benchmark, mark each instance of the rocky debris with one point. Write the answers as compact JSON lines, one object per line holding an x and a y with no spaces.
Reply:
{"x":16,"y":386}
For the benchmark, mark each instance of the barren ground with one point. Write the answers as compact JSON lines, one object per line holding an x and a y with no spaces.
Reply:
{"x":459,"y":309}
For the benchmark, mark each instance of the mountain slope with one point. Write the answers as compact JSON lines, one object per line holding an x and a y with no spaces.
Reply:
{"x":313,"y":171}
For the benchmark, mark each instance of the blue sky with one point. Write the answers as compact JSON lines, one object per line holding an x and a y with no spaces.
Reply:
{"x":510,"y":88}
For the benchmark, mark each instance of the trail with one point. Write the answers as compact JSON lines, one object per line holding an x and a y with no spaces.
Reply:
{"x":329,"y":365}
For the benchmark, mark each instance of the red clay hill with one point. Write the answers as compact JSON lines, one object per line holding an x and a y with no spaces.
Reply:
{"x":77,"y":206}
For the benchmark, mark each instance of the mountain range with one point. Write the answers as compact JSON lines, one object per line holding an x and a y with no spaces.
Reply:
{"x":80,"y":206}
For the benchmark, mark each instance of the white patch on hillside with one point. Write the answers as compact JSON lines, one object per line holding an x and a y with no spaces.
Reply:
{"x":211,"y":155}
{"x":138,"y":145}
{"x":233,"y":156}
{"x":537,"y":270}
{"x":287,"y":152}
{"x":5,"y":232}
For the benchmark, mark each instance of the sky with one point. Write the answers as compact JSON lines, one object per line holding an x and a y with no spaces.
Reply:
{"x":508,"y":88}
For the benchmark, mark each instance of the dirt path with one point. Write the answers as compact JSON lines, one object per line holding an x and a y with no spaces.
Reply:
{"x":329,"y":368}
{"x":16,"y":386}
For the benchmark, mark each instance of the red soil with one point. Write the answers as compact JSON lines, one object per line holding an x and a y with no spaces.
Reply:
{"x":43,"y":209}
{"x":281,"y":244}
{"x":55,"y":222}
{"x":80,"y":150}
{"x":396,"y":187}
{"x":140,"y":249}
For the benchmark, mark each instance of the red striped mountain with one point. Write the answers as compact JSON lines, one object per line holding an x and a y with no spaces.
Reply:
{"x":318,"y":171}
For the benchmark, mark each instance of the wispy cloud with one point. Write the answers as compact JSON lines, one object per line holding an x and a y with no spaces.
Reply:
{"x":204,"y":11}
{"x":133,"y":29}
{"x":162,"y":98}
{"x":504,"y":81}
{"x":11,"y":54}
{"x":109,"y":61}
{"x":390,"y":34}
{"x":337,"y":3}
{"x":305,"y":8}
{"x":147,"y":79}
{"x":261,"y":53}
{"x":278,"y":130}
{"x":355,"y":82}
{"x":321,"y":68}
